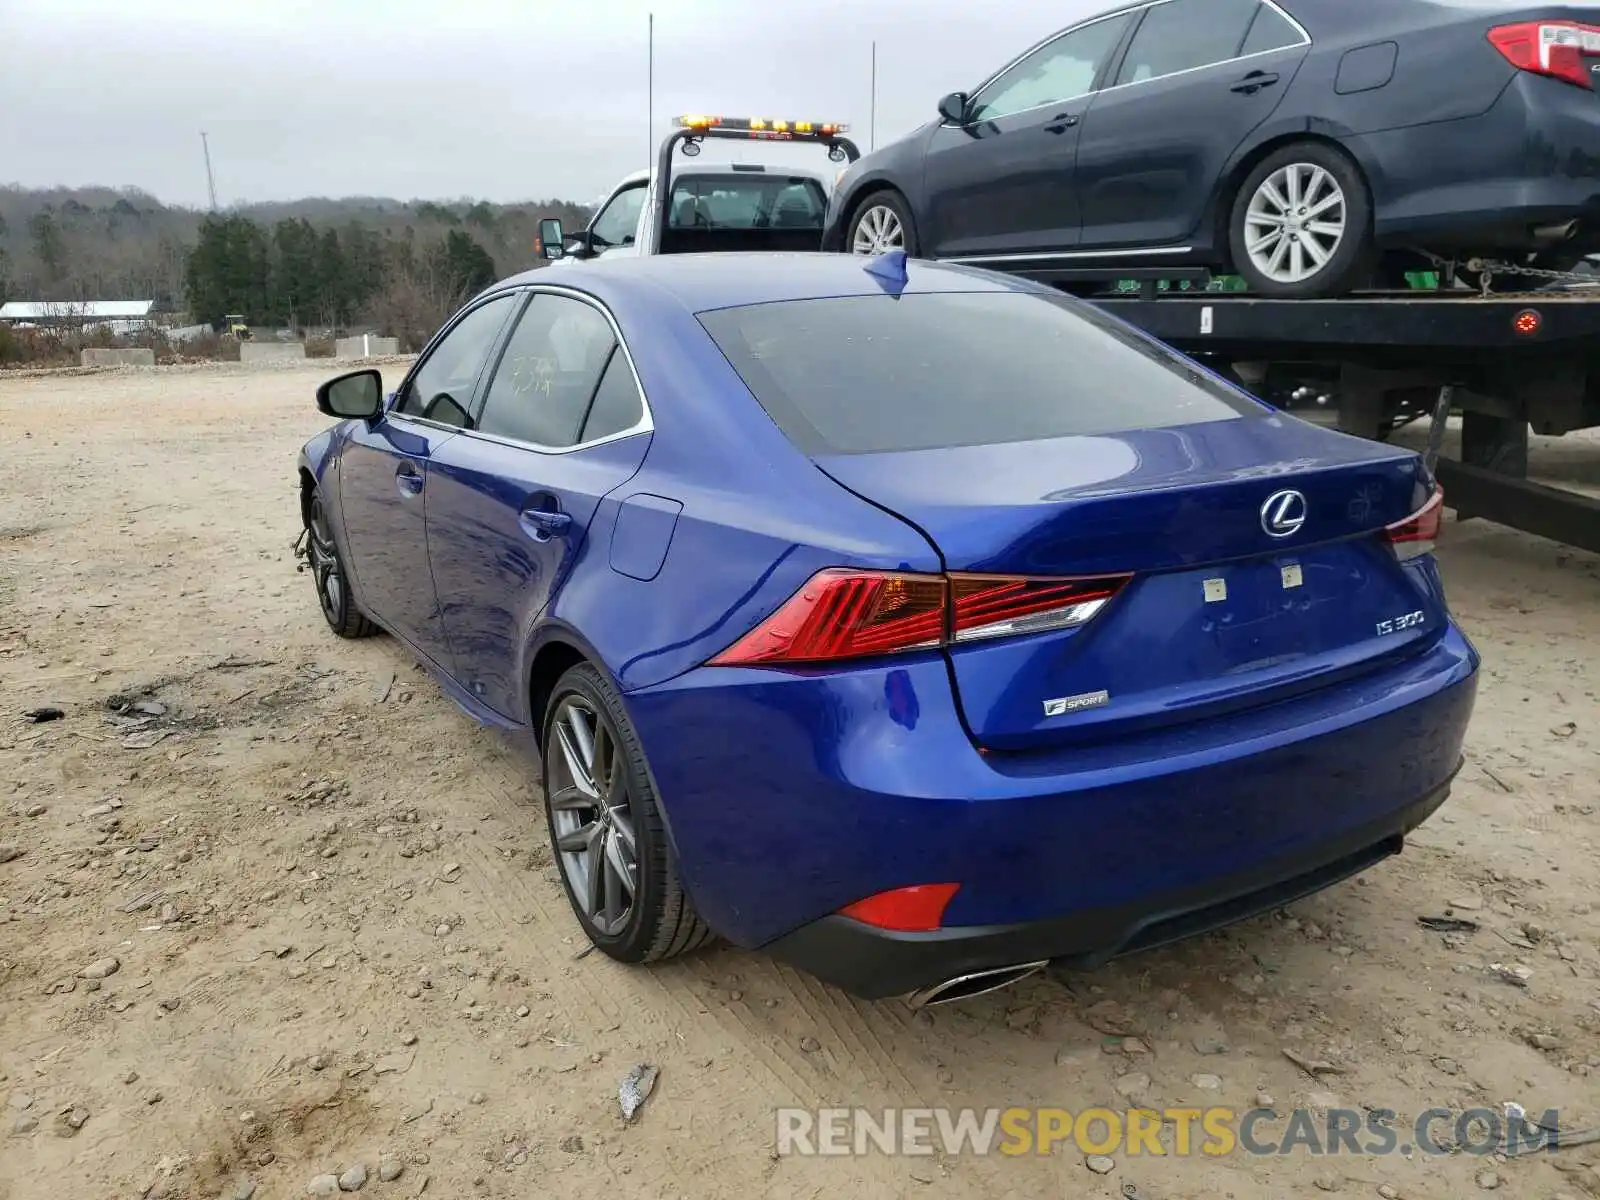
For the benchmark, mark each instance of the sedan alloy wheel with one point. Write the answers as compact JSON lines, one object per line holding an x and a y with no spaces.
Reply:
{"x":592,"y":816}
{"x":878,"y":230}
{"x":1295,"y":223}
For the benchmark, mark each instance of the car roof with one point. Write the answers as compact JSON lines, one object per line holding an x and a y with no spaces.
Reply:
{"x":705,"y":281}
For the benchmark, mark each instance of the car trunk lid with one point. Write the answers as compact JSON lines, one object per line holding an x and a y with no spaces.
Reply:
{"x":1246,"y":556}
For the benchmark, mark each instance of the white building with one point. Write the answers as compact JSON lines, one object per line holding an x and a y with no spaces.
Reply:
{"x":123,"y":316}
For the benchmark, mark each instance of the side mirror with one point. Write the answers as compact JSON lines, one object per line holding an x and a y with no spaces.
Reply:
{"x":358,"y":395}
{"x":953,"y":108}
{"x":552,"y":241}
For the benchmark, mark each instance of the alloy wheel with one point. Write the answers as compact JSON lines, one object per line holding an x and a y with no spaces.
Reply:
{"x":592,"y":816}
{"x":1295,"y":223}
{"x":324,"y":562}
{"x":878,"y":230}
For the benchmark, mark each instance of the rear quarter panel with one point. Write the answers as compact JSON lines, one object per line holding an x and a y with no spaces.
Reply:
{"x":758,"y":518}
{"x":1444,"y":68}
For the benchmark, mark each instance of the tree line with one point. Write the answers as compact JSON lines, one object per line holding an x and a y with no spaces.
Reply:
{"x":312,"y":263}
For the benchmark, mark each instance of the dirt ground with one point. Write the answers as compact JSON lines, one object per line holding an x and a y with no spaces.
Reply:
{"x":339,"y":937}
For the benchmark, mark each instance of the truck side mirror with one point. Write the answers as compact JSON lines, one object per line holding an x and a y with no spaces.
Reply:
{"x":552,"y":241}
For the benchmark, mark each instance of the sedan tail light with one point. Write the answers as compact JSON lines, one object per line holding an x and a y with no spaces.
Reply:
{"x":1418,"y":533}
{"x":1553,"y":48}
{"x":844,"y":614}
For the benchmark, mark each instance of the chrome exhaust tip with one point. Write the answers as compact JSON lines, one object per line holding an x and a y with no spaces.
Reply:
{"x":978,"y":983}
{"x":1556,"y":233}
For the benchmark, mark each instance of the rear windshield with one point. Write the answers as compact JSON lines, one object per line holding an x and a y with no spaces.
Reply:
{"x":866,"y":374}
{"x":753,"y":201}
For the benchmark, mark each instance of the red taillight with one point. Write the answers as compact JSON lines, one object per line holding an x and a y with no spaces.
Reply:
{"x":1553,"y":48}
{"x":918,"y":909}
{"x":842,"y":614}
{"x":1417,"y":534}
{"x":846,"y":614}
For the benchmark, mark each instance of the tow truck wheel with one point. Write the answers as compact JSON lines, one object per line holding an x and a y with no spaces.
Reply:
{"x":882,"y":222}
{"x":1302,"y":224}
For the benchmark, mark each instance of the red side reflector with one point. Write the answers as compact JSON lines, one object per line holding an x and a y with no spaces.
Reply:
{"x":918,"y":909}
{"x":1418,"y":533}
{"x":1554,"y":48}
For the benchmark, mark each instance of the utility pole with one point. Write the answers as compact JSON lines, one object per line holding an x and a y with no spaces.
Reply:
{"x":650,"y":93}
{"x":872,"y":130}
{"x":211,"y":182}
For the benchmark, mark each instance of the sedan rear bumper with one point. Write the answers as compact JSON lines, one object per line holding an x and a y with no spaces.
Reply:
{"x":789,"y":796}
{"x":875,"y":963}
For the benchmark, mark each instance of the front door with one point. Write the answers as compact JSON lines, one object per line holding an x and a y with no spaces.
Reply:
{"x":1197,"y":78}
{"x":1002,"y":182}
{"x":383,"y":479}
{"x":562,"y":423}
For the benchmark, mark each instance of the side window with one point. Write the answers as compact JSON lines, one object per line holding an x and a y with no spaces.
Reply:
{"x":1181,"y":35}
{"x":545,"y":379}
{"x":617,"y":405}
{"x":1057,"y":71}
{"x":441,"y":388}
{"x":1270,"y":31}
{"x":618,"y":222}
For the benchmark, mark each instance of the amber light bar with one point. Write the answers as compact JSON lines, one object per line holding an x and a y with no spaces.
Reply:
{"x":763,"y":128}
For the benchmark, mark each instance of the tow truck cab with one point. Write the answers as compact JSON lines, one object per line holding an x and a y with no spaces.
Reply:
{"x":683,"y":208}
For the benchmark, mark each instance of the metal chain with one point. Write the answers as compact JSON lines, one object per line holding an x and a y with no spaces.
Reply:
{"x":1488,"y":268}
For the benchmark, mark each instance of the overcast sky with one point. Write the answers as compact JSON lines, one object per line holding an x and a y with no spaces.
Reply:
{"x":499,"y":99}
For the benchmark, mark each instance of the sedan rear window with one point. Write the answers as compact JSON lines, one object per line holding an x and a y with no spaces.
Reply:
{"x":868,"y":374}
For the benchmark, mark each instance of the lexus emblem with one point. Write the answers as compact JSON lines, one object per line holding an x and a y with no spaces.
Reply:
{"x":1283,"y":513}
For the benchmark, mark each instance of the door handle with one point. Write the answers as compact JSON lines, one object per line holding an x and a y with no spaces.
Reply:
{"x":1061,"y":122}
{"x":1254,"y":82}
{"x":543,"y":524}
{"x":408,"y":479}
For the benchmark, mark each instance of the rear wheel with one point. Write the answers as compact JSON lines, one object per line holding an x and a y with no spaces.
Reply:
{"x":606,"y":829}
{"x":329,"y":577}
{"x":1302,"y":224}
{"x":882,"y":223}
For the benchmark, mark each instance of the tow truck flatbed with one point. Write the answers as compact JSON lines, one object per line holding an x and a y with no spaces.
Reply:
{"x":1511,"y":360}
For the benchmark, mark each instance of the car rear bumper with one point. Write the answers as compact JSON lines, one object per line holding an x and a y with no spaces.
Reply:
{"x":790,"y":795}
{"x":875,"y":963}
{"x":1532,"y":161}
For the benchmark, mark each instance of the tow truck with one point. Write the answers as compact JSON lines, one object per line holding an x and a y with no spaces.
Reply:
{"x":1506,"y":361}
{"x":678,"y":209}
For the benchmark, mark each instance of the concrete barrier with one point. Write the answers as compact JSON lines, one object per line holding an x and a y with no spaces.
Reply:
{"x":132,"y":357}
{"x":270,"y":351}
{"x":365,"y":346}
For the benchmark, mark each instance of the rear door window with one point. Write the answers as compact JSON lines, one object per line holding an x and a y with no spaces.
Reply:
{"x":1182,"y":35}
{"x":1271,"y":30}
{"x":545,"y":380}
{"x":868,"y":374}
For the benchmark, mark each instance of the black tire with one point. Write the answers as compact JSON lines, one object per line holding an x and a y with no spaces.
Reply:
{"x":329,"y":577}
{"x":1353,"y":259}
{"x":892,"y":201}
{"x":661,"y":922}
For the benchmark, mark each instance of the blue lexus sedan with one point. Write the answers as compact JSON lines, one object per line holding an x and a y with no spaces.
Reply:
{"x":914,"y":624}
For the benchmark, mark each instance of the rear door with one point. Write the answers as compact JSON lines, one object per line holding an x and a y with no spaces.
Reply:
{"x":1197,"y":77}
{"x":562,"y":422}
{"x":1003,"y":181}
{"x":1131,"y":542}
